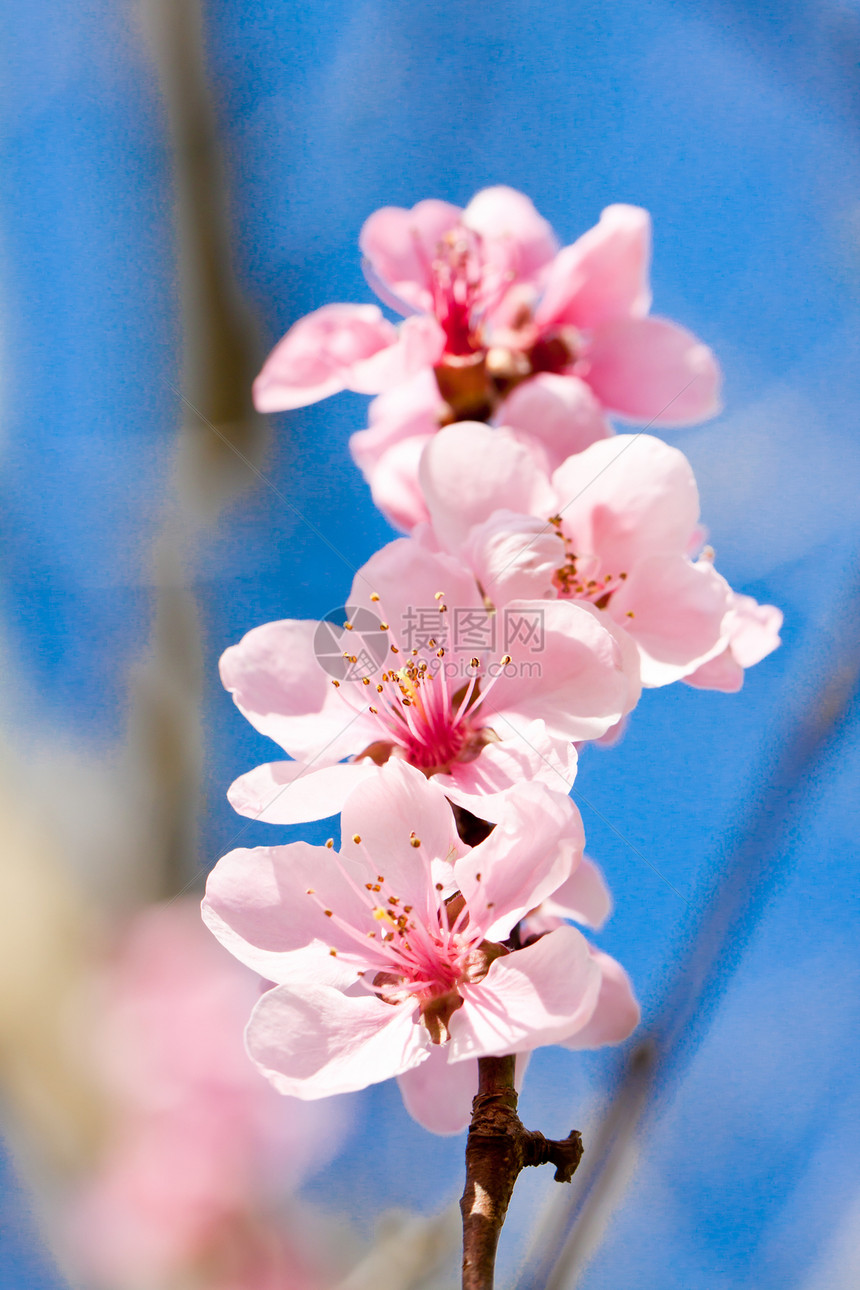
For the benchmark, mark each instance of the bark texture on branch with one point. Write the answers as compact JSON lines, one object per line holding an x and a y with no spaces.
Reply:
{"x":498,"y":1147}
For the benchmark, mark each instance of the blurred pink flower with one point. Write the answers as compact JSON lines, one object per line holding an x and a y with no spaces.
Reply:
{"x":516,"y":331}
{"x":392,"y":948}
{"x":200,"y":1145}
{"x":434,"y":696}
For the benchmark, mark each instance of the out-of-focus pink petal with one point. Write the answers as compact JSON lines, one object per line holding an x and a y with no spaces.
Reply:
{"x":626,"y":498}
{"x":407,"y":410}
{"x":320,"y":1042}
{"x":317,"y":356}
{"x":526,"y":752}
{"x":291,"y":792}
{"x":514,"y":557}
{"x":650,"y":369}
{"x":617,"y":1012}
{"x":560,"y":412}
{"x":470,"y":470}
{"x":528,"y":855}
{"x":677,"y":610}
{"x":401,"y":246}
{"x":722,"y":672}
{"x":603,"y":275}
{"x":532,"y":997}
{"x":438,"y":1093}
{"x":277,"y":683}
{"x":577,"y":682}
{"x":752,"y":631}
{"x":399,"y":806}
{"x":395,"y":487}
{"x":584,"y":897}
{"x":257,"y":905}
{"x":418,"y":344}
{"x":514,"y":237}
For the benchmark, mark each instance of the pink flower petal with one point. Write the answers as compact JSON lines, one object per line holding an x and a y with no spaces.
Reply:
{"x":514,"y":557}
{"x":395,"y":487}
{"x":438,"y":1093}
{"x":400,"y":804}
{"x":257,"y":905}
{"x":406,"y":577}
{"x":617,"y":1012}
{"x":320,"y":1042}
{"x":577,"y":682}
{"x":528,"y":855}
{"x":677,"y":610}
{"x":470,"y":470}
{"x":584,"y":897}
{"x":514,"y":237}
{"x":529,"y":998}
{"x":418,"y":344}
{"x":291,"y":792}
{"x":722,"y":672}
{"x":526,"y":753}
{"x":401,"y":245}
{"x":406,"y":410}
{"x":753,"y":633}
{"x":560,"y":412}
{"x":626,"y":498}
{"x":650,"y":369}
{"x":604,"y":275}
{"x":318,"y":353}
{"x":278,"y":684}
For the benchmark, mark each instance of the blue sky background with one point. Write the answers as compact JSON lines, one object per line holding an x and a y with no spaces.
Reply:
{"x":738,"y":131}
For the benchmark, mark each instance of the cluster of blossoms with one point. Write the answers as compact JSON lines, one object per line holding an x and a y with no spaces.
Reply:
{"x":551,"y":569}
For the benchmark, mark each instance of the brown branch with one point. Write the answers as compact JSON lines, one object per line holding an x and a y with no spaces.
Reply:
{"x":498,"y":1147}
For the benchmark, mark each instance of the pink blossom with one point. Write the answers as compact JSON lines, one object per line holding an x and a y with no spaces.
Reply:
{"x":199,"y":1143}
{"x":515,"y":331}
{"x":750,"y":632}
{"x":439,"y":1094}
{"x":392,"y":948}
{"x":611,"y":528}
{"x":344,"y":347}
{"x":477,"y":719}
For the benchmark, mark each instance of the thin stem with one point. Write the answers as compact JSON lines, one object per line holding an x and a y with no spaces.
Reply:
{"x":497,"y":1149}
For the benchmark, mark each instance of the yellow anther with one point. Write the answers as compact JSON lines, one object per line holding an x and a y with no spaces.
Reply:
{"x":348,"y":626}
{"x":310,"y":892}
{"x":415,"y":842}
{"x":373,"y":596}
{"x":506,"y":658}
{"x":336,"y":684}
{"x":328,"y":913}
{"x":356,"y":837}
{"x":438,"y":595}
{"x":383,"y":916}
{"x":329,"y":843}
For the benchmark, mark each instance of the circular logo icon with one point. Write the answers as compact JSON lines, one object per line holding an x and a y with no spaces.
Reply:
{"x":350,"y":653}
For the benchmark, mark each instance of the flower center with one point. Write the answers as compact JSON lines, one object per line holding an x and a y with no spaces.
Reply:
{"x":423,"y":959}
{"x":581,"y":577}
{"x":416,"y":712}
